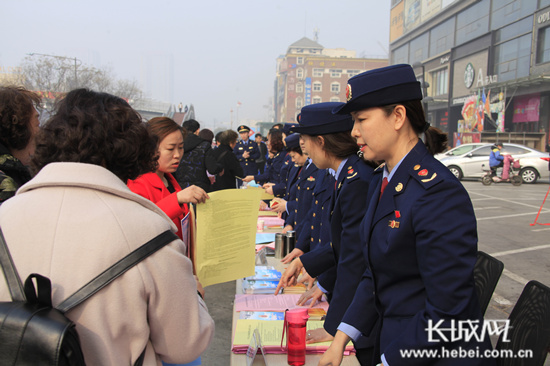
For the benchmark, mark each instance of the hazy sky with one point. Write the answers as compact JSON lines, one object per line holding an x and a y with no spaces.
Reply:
{"x":222,"y":51}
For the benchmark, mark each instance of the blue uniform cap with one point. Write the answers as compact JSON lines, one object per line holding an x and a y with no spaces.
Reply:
{"x":380,"y":87}
{"x":243,"y":128}
{"x":318,"y":119}
{"x":288,"y":127}
{"x":292,"y":141}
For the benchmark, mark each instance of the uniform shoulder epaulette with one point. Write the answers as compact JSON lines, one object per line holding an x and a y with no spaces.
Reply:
{"x":426,"y":175}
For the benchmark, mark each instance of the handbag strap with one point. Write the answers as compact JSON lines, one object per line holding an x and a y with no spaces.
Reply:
{"x":10,"y":272}
{"x":117,"y":269}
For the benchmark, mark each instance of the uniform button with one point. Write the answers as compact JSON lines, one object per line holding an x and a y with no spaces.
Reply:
{"x":314,"y":214}
{"x":298,"y":188}
{"x":312,"y":239}
{"x":311,"y":227}
{"x":316,"y":202}
{"x":296,"y":211}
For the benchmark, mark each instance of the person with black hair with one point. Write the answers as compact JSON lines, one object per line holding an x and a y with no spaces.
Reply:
{"x":419,"y":235}
{"x":77,"y":217}
{"x":19,"y":125}
{"x":196,"y":161}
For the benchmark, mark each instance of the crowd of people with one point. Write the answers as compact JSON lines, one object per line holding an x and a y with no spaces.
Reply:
{"x":356,"y":181}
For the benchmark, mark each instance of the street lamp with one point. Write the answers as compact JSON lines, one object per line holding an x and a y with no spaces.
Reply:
{"x":63,"y":58}
{"x":425,"y":85}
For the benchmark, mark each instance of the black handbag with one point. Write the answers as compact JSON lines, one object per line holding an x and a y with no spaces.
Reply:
{"x":32,"y":332}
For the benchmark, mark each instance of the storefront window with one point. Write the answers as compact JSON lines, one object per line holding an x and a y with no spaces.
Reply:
{"x":543,"y":45}
{"x":472,"y":22}
{"x":442,"y":37}
{"x":512,"y":58}
{"x":508,"y":11}
{"x":440,"y":81}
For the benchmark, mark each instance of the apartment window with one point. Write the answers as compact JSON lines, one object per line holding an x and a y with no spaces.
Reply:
{"x":512,"y":58}
{"x":442,"y":37}
{"x":440,"y":82}
{"x":508,"y":11}
{"x":419,"y":48}
{"x":334,"y":99}
{"x":401,"y":55}
{"x":335,"y":73}
{"x":318,"y":72}
{"x":316,"y":100}
{"x":543,"y":45}
{"x":299,"y":103}
{"x":335,"y":87}
{"x":300,"y":73}
{"x":300,"y":60}
{"x":317,"y":86}
{"x":472,"y":22}
{"x":299,"y":88}
{"x":352,"y":73}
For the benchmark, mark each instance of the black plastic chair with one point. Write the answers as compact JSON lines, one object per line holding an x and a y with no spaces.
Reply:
{"x":487,"y":272}
{"x":529,"y":327}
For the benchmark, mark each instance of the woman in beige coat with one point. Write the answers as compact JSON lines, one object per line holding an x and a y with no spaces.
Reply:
{"x":77,"y":217}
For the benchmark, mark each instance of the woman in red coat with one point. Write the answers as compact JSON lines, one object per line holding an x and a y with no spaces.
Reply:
{"x":160,"y":186}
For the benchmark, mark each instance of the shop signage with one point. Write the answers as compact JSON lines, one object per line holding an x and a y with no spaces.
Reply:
{"x":543,"y":18}
{"x":470,"y":76}
{"x":444,"y":60}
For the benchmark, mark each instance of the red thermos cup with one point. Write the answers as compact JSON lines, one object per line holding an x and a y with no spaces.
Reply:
{"x":296,"y":320}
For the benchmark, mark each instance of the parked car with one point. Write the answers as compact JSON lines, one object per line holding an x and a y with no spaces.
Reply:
{"x":472,"y":162}
{"x":460,"y":150}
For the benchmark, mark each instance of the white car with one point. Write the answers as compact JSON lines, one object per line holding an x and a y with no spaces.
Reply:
{"x":473,"y":162}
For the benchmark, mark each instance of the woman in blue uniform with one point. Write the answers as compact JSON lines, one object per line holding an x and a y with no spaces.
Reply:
{"x":274,"y":165}
{"x":419,"y":233}
{"x":329,"y":144}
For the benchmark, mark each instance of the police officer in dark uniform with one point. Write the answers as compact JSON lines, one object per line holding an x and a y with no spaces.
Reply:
{"x":419,"y":233}
{"x":329,"y":144}
{"x":247,"y":151}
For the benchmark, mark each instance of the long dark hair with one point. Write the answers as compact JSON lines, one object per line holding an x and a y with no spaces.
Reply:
{"x":435,"y":141}
{"x":100,"y":129}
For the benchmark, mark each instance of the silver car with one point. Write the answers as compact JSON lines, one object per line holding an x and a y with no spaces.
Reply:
{"x":473,"y":162}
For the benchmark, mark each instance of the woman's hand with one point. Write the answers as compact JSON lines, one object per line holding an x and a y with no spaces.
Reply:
{"x":287,"y":228}
{"x":334,"y":354}
{"x":279,"y":205}
{"x":315,"y":294}
{"x":290,"y":275}
{"x":290,"y":256}
{"x":248,"y":178}
{"x":192,"y":194}
{"x":268,"y":189}
{"x":318,"y":335}
{"x":305,"y":277}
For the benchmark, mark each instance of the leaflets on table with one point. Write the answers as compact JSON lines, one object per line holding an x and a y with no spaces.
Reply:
{"x":259,"y":287}
{"x":271,"y":332}
{"x":262,"y":315}
{"x":264,"y":273}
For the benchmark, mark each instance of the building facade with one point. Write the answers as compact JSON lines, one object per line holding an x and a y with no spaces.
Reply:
{"x":484,"y":65}
{"x":309,"y":73}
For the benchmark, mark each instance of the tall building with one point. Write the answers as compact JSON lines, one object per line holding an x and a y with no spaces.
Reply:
{"x":485,"y":64}
{"x":309,"y":73}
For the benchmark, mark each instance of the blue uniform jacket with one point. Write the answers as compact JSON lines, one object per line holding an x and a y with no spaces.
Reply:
{"x":349,"y":206}
{"x":420,"y":242}
{"x":299,"y":208}
{"x":280,"y":189}
{"x":249,"y":165}
{"x":273,"y":168}
{"x":319,"y":224}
